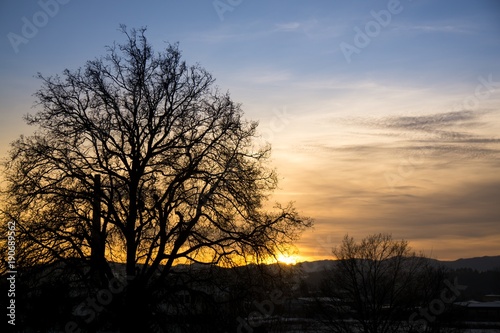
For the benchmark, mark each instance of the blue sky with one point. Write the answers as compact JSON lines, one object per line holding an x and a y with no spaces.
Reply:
{"x":400,"y":137}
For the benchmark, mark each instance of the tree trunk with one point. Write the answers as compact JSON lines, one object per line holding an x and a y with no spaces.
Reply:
{"x":97,"y":258}
{"x":136,"y":312}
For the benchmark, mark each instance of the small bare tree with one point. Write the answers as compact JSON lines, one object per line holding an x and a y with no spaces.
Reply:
{"x":376,"y":283}
{"x":139,"y":159}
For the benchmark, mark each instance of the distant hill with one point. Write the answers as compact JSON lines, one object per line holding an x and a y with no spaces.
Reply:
{"x":316,"y":266}
{"x":480,"y":264}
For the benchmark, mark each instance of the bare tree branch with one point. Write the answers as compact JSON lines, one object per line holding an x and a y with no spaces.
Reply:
{"x":180,"y":178}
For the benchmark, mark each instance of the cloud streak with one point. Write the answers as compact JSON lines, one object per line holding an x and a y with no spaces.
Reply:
{"x":458,"y":131}
{"x":447,"y":185}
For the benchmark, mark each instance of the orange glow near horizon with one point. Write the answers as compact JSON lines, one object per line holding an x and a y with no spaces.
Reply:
{"x":288,"y":259}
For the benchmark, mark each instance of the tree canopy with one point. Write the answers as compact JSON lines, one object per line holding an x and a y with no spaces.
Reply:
{"x":139,"y":158}
{"x":376,"y":284}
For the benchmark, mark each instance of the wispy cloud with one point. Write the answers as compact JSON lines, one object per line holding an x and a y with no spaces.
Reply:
{"x":290,"y":26}
{"x":448,"y":126}
{"x":441,"y":28}
{"x":462,"y":212}
{"x":444,"y":26}
{"x":434,"y":121}
{"x":313,"y":28}
{"x":445,"y":136}
{"x":259,"y":76}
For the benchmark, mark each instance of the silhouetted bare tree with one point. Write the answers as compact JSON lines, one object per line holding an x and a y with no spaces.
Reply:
{"x":376,"y":284}
{"x":138,"y":158}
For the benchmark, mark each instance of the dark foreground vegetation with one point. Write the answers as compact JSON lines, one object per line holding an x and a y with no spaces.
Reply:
{"x":307,"y":297}
{"x":376,"y":285}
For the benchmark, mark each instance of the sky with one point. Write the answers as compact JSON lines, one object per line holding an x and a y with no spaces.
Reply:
{"x":383,"y":115}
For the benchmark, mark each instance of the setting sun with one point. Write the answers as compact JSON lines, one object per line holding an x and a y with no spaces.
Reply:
{"x":287,"y":259}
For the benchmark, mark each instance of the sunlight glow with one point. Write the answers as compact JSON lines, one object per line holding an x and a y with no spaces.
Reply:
{"x":287,"y":259}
